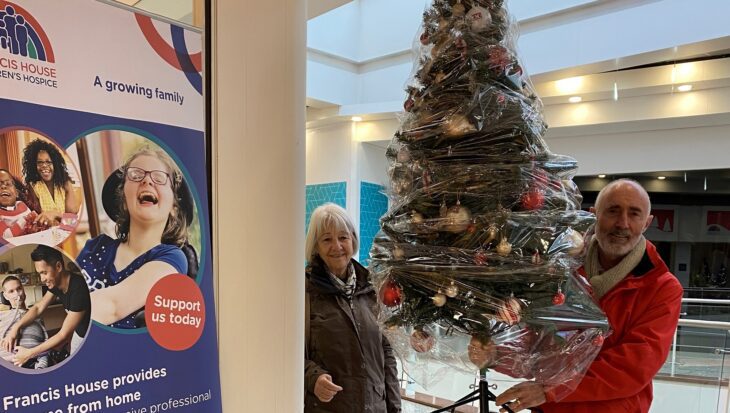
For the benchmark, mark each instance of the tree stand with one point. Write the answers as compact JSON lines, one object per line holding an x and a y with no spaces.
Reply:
{"x":482,"y":393}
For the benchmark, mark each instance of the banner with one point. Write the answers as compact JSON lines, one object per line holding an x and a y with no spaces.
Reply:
{"x":105,"y":254}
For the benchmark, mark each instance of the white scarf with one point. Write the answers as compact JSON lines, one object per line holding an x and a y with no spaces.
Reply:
{"x":602,"y":282}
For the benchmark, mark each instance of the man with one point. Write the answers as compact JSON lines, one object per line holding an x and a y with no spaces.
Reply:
{"x":642,"y":300}
{"x":71,"y":289}
{"x":30,"y":336}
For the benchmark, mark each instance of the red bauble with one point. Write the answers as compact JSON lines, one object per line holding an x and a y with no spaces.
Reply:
{"x":421,"y":341}
{"x":559,"y":298}
{"x":480,"y":258}
{"x":598,"y":340}
{"x":424,"y":38}
{"x":510,"y":311}
{"x":391,"y":294}
{"x":408,"y":105}
{"x":533,"y":199}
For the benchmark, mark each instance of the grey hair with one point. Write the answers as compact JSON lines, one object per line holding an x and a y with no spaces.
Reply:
{"x":619,"y":181}
{"x":325,"y":217}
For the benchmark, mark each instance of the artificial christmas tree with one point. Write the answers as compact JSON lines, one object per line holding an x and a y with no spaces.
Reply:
{"x":484,"y":231}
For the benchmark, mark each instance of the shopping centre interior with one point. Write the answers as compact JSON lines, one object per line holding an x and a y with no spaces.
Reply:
{"x":635,"y":88}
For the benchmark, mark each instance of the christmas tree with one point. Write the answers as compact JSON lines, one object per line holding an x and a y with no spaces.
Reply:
{"x":484,"y":232}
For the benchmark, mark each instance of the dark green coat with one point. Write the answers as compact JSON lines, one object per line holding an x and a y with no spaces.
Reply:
{"x":347,"y":344}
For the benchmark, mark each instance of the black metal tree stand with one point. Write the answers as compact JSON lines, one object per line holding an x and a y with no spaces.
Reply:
{"x":482,"y":393}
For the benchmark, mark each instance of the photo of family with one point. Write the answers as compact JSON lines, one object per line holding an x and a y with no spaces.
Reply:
{"x":40,"y":191}
{"x":141,"y":224}
{"x":45,"y":311}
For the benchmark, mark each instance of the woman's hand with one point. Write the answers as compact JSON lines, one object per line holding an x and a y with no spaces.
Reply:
{"x":324,"y":389}
{"x":22,"y":355}
{"x":48,"y":219}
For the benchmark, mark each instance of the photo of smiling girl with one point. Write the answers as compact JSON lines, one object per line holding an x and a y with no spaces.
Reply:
{"x":152,"y":207}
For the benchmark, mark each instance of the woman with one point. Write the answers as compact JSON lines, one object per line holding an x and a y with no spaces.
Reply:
{"x":16,"y":218}
{"x":152,"y":207}
{"x":349,"y":366}
{"x":46,"y":174}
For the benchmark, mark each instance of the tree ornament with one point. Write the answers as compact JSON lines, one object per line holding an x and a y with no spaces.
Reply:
{"x":598,"y":340}
{"x":458,"y":10}
{"x":416,"y":218}
{"x":443,"y":209}
{"x":404,"y":155}
{"x":492,"y":232}
{"x":451,"y":290}
{"x":458,"y":125}
{"x":479,"y":19}
{"x":398,"y":253}
{"x":424,"y":38}
{"x":504,"y":247}
{"x":391,"y":294}
{"x":457,"y":219}
{"x":408,"y":104}
{"x":439,"y":300}
{"x":510,"y":311}
{"x":559,"y":297}
{"x":480,"y":258}
{"x":577,"y":243}
{"x":536,"y":259}
{"x":421,"y":341}
{"x":499,"y":58}
{"x":533,"y":199}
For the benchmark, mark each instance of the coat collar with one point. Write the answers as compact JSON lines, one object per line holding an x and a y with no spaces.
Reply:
{"x":319,"y":280}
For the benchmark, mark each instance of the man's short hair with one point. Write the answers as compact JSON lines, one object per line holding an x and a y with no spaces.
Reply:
{"x":618,"y":181}
{"x":48,"y":254}
{"x":10,"y":278}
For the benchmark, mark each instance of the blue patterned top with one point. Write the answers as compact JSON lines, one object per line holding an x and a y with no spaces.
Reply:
{"x":96,"y":260}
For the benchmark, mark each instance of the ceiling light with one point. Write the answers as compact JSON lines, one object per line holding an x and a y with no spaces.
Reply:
{"x":615,"y":91}
{"x":661,"y":178}
{"x":684,"y":88}
{"x":569,"y":85}
{"x":357,"y":119}
{"x":602,"y":176}
{"x":575,"y":99}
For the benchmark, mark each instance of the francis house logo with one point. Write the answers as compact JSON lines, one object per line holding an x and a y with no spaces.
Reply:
{"x":22,"y":35}
{"x":26,"y":54}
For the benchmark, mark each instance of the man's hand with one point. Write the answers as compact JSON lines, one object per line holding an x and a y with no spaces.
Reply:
{"x":8,"y":342}
{"x":324,"y":389}
{"x":22,"y":355}
{"x":522,"y":396}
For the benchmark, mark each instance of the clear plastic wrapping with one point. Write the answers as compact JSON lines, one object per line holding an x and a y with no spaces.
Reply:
{"x":476,"y":260}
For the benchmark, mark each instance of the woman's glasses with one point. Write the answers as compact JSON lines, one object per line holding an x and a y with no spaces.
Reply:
{"x":44,"y":163}
{"x":135,"y":174}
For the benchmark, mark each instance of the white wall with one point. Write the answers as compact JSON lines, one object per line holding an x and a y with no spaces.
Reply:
{"x":328,"y":154}
{"x":373,"y":164}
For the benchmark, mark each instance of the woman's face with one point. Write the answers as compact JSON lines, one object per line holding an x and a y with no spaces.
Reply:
{"x":44,"y":166}
{"x":8,"y":192}
{"x":335,"y":248}
{"x":148,"y":201}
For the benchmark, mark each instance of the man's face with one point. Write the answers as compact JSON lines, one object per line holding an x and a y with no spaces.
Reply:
{"x":13,"y":291}
{"x":50,"y":274}
{"x":622,"y":217}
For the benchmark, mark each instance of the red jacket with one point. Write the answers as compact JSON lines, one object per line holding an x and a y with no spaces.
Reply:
{"x":643,"y":311}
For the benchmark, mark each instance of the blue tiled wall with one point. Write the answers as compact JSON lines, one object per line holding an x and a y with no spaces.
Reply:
{"x":318,"y":194}
{"x":373,"y":205}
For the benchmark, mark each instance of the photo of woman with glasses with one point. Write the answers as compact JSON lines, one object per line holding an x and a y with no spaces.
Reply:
{"x":45,"y":172}
{"x":152,"y":207}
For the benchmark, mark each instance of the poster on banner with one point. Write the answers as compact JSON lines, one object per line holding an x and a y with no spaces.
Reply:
{"x":105,"y":253}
